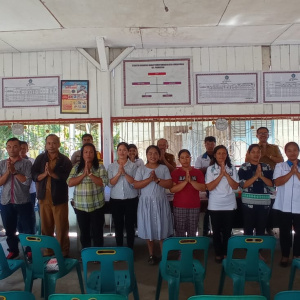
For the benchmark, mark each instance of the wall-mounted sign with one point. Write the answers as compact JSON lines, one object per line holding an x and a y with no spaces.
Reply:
{"x":226,"y":88}
{"x":30,"y":91}
{"x":281,"y":86}
{"x":157,"y":82}
{"x":75,"y":96}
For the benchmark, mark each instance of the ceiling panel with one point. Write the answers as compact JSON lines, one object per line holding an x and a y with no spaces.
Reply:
{"x":290,"y":36}
{"x":25,"y":15}
{"x":258,"y":12}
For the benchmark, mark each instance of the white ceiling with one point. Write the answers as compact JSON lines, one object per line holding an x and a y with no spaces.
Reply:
{"x":33,"y":25}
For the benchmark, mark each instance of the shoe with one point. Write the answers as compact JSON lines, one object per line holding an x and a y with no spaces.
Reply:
{"x":218,"y":259}
{"x":12,"y":255}
{"x":284,"y":262}
{"x":151,"y":260}
{"x":270,"y":231}
{"x":29,"y":255}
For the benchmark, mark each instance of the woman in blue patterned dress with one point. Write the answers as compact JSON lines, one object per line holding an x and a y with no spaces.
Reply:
{"x":255,"y":180}
{"x":154,"y":213}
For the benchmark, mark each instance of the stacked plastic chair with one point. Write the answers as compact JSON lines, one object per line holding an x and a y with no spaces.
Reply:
{"x":16,"y":296}
{"x":221,"y":297}
{"x":185,"y":269}
{"x":287,"y":295}
{"x":250,"y":268}
{"x":9,"y":266}
{"x":108,"y":280}
{"x":294,"y":267}
{"x":37,"y":268}
{"x":87,"y":297}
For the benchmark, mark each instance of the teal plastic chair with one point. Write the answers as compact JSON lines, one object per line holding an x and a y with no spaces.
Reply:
{"x":294,"y":267}
{"x":9,"y":266}
{"x":16,"y":296}
{"x":287,"y":295}
{"x":87,"y":297}
{"x":184,"y":269}
{"x":107,"y":279}
{"x":37,"y":267}
{"x":221,"y":297}
{"x":250,"y":268}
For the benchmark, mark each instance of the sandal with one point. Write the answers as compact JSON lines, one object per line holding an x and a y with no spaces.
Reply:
{"x":284,"y":262}
{"x":151,"y":260}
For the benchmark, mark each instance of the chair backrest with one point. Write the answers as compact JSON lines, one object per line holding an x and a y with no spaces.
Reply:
{"x":221,"y":297}
{"x":38,"y":243}
{"x":253,"y":245}
{"x":288,"y":295}
{"x":86,"y":297}
{"x":16,"y":296}
{"x":4,"y":268}
{"x":186,"y":246}
{"x":107,"y":256}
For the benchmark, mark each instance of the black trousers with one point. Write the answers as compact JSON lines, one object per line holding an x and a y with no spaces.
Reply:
{"x":124,"y":213}
{"x":91,"y":227}
{"x":222,"y":222}
{"x":287,"y":221}
{"x":255,"y":217}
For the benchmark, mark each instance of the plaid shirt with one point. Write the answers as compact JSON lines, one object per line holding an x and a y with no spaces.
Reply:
{"x":87,"y":195}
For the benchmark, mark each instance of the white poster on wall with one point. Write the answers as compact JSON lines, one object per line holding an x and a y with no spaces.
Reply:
{"x":157,"y":82}
{"x":30,"y":91}
{"x":227,"y":88}
{"x":281,"y":86}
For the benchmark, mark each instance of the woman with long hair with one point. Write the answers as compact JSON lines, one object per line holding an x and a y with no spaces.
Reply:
{"x":89,"y":179}
{"x":287,"y":180}
{"x":255,"y":180}
{"x":221,"y":181}
{"x":187,"y":182}
{"x":154,"y":213}
{"x":123,"y":197}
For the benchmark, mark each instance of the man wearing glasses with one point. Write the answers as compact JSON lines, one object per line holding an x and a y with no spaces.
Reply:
{"x":270,"y":154}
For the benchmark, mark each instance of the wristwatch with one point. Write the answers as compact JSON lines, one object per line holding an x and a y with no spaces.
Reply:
{"x":158,"y":181}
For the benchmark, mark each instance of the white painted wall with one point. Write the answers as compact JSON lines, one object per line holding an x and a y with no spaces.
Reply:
{"x":72,"y":65}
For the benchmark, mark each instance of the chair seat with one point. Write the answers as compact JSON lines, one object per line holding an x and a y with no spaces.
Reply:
{"x":238,"y":267}
{"x":172,"y":267}
{"x":122,"y":283}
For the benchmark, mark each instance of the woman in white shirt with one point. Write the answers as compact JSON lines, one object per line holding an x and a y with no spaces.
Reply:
{"x":221,"y":180}
{"x":287,"y":179}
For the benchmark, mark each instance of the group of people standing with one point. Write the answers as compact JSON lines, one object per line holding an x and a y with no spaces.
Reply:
{"x":138,"y":195}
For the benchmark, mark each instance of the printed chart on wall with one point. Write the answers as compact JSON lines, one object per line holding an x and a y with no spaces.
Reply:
{"x":30,"y":91}
{"x":227,"y":88}
{"x":157,"y":82}
{"x":74,"y":96}
{"x":281,"y":86}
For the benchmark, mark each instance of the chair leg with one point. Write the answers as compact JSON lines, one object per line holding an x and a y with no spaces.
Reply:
{"x":292,"y":277}
{"x":199,"y":288}
{"x":238,"y":286}
{"x":173,"y":286}
{"x":158,"y":286}
{"x":265,"y":289}
{"x":80,"y":278}
{"x":222,"y":280}
{"x":136,"y":291}
{"x":28,"y":281}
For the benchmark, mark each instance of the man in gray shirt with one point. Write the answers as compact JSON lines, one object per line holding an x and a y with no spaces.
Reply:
{"x":15,"y":178}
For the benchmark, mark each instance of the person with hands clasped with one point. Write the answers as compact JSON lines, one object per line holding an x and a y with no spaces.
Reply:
{"x":89,"y":179}
{"x":50,"y":171}
{"x":187,"y":182}
{"x":221,"y":181}
{"x":255,"y":180}
{"x":287,"y":180}
{"x":123,"y":197}
{"x":15,"y":179}
{"x":154,"y":213}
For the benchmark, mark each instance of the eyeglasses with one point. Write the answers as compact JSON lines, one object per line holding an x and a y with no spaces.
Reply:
{"x":262,"y":133}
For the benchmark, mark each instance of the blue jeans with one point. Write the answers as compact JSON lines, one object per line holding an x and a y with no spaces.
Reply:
{"x":10,"y":214}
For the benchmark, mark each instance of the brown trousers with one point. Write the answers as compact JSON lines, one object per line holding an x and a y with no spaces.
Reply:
{"x":55,"y":218}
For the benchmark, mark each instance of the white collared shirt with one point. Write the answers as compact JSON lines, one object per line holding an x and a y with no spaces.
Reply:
{"x":288,"y":195}
{"x":223,"y":196}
